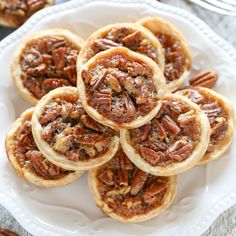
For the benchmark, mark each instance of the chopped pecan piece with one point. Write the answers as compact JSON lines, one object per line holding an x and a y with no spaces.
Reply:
{"x":186,"y":118}
{"x":132,"y":202}
{"x":144,"y":131}
{"x":63,"y":142}
{"x":33,"y":85}
{"x":71,"y":73}
{"x":104,"y":44}
{"x":170,"y":125}
{"x":132,"y":40}
{"x":35,"y":5}
{"x":50,"y":115}
{"x":138,"y":182}
{"x":122,"y":190}
{"x":90,"y":123}
{"x":152,"y":191}
{"x":107,"y":177}
{"x":103,"y":99}
{"x":130,"y":108}
{"x":114,"y":83}
{"x":96,"y":80}
{"x":218,"y":127}
{"x":58,"y":56}
{"x":180,"y":150}
{"x":53,"y":83}
{"x":150,"y":155}
{"x":102,"y":144}
{"x":204,"y":79}
{"x":125,"y":163}
{"x":89,"y":139}
{"x":123,"y":177}
{"x":161,"y":133}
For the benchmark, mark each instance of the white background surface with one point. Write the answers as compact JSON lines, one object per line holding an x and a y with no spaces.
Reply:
{"x":225,"y":27}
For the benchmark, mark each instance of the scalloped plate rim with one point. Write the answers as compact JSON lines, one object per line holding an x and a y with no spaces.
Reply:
{"x":203,"y":224}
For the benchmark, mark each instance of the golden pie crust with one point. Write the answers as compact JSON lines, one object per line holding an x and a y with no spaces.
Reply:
{"x":156,"y":78}
{"x":87,"y":51}
{"x":54,"y":156}
{"x":167,"y":198}
{"x":16,"y":69}
{"x":221,"y":145}
{"x":159,"y":25}
{"x":27,"y":173}
{"x":13,"y":21}
{"x":176,"y":167}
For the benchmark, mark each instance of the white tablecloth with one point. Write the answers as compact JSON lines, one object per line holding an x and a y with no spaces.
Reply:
{"x":225,"y":26}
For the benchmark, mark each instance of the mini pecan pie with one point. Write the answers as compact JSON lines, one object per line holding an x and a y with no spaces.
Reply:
{"x":221,"y":117}
{"x":14,"y":13}
{"x":172,"y":142}
{"x":46,"y":60}
{"x":120,"y":88}
{"x":132,"y":36}
{"x":67,"y":136}
{"x":28,"y":161}
{"x":128,"y":194}
{"x":177,"y":55}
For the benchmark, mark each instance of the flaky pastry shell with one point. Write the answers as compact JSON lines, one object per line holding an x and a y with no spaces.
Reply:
{"x":223,"y":144}
{"x":159,"y":25}
{"x":27,"y":173}
{"x":16,"y":69}
{"x":9,"y":20}
{"x":50,"y":153}
{"x":85,"y":52}
{"x":174,"y":167}
{"x":157,"y":78}
{"x":168,"y":198}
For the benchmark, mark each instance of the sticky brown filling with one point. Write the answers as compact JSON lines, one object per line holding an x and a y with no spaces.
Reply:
{"x":20,"y":10}
{"x":175,"y":59}
{"x":48,"y":63}
{"x":215,"y":113}
{"x":127,"y":190}
{"x":71,"y":132}
{"x":120,"y":88}
{"x":170,"y":137}
{"x":29,"y":157}
{"x":126,"y":37}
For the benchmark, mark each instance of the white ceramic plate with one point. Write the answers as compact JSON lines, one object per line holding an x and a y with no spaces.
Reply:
{"x":203,"y":193}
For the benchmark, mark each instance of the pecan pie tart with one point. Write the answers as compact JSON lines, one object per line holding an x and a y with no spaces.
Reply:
{"x":126,"y":193}
{"x":172,"y":142}
{"x":219,"y":111}
{"x":28,"y":161}
{"x":67,"y":136}
{"x":133,"y":36}
{"x":121,"y":88}
{"x":14,"y":13}
{"x":177,"y":55}
{"x":45,"y":60}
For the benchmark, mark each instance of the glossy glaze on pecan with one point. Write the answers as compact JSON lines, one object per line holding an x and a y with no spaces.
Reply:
{"x":48,"y":63}
{"x":127,"y":190}
{"x":120,"y":88}
{"x":126,"y":37}
{"x":175,"y":58}
{"x":20,"y":10}
{"x":29,"y":157}
{"x":71,"y":132}
{"x":170,"y":137}
{"x":215,"y":113}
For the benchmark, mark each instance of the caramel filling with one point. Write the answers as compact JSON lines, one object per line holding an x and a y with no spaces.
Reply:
{"x":20,"y":10}
{"x":175,"y":59}
{"x":71,"y":132}
{"x":126,"y":37}
{"x":29,"y":157}
{"x":170,"y":137}
{"x":120,"y":88}
{"x":127,"y":190}
{"x":215,"y":113}
{"x":48,"y":63}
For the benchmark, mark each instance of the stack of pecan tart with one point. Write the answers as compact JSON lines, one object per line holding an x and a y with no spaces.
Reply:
{"x":118,"y":106}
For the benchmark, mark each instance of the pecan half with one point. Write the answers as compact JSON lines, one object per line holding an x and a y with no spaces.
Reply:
{"x":150,"y":155}
{"x":180,"y":150}
{"x":132,"y":40}
{"x":204,"y":79}
{"x":186,"y":118}
{"x":144,"y":131}
{"x":138,"y":182}
{"x":170,"y":125}
{"x":90,"y":123}
{"x":152,"y":191}
{"x":104,"y":44}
